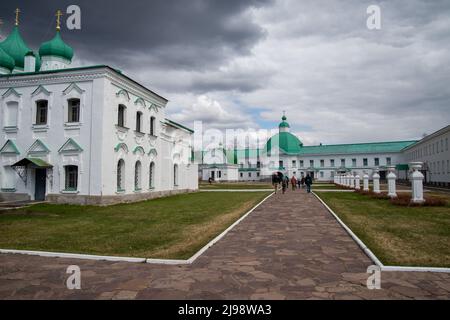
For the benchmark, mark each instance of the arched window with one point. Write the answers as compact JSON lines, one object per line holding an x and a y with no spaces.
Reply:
{"x":121,"y":175}
{"x":71,"y":174}
{"x":151,"y":176}
{"x":41,"y":111}
{"x":121,"y":115}
{"x":137,"y":176}
{"x":73,"y":110}
{"x":175,"y":175}
{"x":138,"y":121}
{"x":152,"y":126}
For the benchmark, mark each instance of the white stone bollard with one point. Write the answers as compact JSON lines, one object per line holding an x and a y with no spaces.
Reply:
{"x":391,"y":177}
{"x":417,"y":182}
{"x":357,"y":182}
{"x":365,"y":182}
{"x":376,"y":182}
{"x":352,"y":181}
{"x":347,"y":180}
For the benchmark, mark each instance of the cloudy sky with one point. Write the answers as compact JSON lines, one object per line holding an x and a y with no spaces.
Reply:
{"x":239,"y":64}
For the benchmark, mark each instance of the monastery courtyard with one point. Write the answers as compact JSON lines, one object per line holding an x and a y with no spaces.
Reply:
{"x":290,"y":247}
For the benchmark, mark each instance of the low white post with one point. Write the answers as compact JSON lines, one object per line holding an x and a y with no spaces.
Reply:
{"x":365,"y":182}
{"x":391,"y":177}
{"x":417,"y":182}
{"x":347,"y":180}
{"x":357,"y":182}
{"x":376,"y":181}
{"x":352,"y":181}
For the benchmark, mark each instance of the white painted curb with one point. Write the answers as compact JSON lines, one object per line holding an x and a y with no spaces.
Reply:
{"x":372,"y":256}
{"x":129,"y":259}
{"x":73,"y":255}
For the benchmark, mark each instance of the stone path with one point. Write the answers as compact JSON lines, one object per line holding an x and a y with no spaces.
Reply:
{"x":288,"y":248}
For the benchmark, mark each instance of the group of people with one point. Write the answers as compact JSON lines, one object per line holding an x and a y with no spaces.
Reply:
{"x":283,"y":180}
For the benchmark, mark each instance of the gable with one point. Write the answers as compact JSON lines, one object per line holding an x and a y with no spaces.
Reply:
{"x":11,"y":91}
{"x":9,"y":148}
{"x":70,"y":146}
{"x":72,"y":87}
{"x":39,"y":90}
{"x":38,"y":147}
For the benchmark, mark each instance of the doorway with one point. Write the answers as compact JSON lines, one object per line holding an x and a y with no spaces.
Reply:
{"x":40,"y":184}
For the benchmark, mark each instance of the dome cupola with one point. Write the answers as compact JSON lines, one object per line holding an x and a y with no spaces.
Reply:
{"x":284,"y":126}
{"x":15,"y":47}
{"x":7,"y":63}
{"x":55,"y":54}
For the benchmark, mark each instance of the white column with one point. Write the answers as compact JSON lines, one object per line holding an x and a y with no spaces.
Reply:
{"x":366,"y":182}
{"x":391,"y":177}
{"x":357,"y":182}
{"x":346,"y":180}
{"x":376,"y":181}
{"x":417,"y":182}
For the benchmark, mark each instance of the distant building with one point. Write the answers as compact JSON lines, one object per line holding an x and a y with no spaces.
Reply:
{"x":285,"y":153}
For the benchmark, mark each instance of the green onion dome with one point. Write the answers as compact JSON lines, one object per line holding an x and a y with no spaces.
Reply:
{"x":285,"y":141}
{"x":56,"y":47}
{"x":15,"y":47}
{"x":284,"y":124}
{"x":6,"y":61}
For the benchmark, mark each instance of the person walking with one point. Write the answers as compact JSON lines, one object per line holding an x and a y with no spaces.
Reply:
{"x":285,"y":184}
{"x":308,"y":182}
{"x":275,"y":181}
{"x":303,"y":181}
{"x":293,"y":183}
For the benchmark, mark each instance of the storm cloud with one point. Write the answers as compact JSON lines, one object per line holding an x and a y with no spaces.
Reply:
{"x":241,"y":63}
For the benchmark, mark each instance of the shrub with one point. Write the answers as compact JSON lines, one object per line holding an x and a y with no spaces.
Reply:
{"x":430,"y":201}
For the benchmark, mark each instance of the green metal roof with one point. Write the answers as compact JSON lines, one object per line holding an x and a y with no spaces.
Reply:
{"x":36,"y":162}
{"x":179,"y":125}
{"x":6,"y":61}
{"x":286,"y":142}
{"x":374,"y":147}
{"x":15,"y":47}
{"x":53,"y":71}
{"x":56,"y":47}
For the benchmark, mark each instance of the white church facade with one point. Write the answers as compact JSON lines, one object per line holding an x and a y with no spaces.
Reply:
{"x":88,"y":135}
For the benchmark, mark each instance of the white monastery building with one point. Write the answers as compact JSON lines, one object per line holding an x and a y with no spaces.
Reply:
{"x":285,"y":153}
{"x":87,"y":135}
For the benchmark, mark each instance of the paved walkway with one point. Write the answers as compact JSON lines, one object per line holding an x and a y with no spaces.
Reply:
{"x":288,"y":248}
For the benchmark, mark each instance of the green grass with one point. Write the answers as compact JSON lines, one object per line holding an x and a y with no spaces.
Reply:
{"x":174,"y":227}
{"x":405,"y":236}
{"x":237,"y":186}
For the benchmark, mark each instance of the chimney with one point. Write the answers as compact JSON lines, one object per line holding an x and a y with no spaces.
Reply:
{"x":30,"y":62}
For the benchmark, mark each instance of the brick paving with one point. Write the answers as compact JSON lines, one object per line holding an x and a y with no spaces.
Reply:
{"x":288,"y":248}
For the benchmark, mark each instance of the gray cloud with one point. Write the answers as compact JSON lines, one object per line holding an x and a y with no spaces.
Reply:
{"x":338,"y":81}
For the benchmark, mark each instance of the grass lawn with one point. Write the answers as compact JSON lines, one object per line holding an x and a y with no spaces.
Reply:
{"x":405,"y":236}
{"x":237,"y":185}
{"x":171,"y":228}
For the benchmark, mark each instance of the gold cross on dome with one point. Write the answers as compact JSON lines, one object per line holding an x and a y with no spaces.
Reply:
{"x":17,"y":16}
{"x":58,"y":19}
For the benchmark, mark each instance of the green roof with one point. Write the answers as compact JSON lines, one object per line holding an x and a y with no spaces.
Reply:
{"x":6,"y":61}
{"x":53,"y":71}
{"x":35,"y":162}
{"x":374,"y":147}
{"x":286,"y":142}
{"x":15,"y":47}
{"x":56,"y":47}
{"x":171,"y":122}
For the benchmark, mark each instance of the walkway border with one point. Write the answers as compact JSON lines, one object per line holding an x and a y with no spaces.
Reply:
{"x":132,"y":259}
{"x":371,"y":255}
